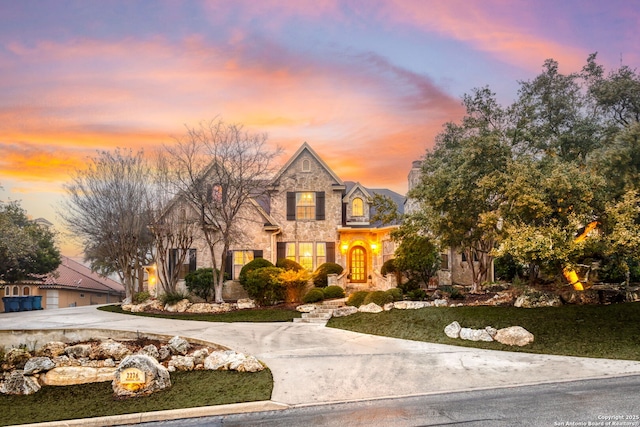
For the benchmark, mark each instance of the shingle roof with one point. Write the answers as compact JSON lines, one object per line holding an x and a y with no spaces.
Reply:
{"x":73,"y":275}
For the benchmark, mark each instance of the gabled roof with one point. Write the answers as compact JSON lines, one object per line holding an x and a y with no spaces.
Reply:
{"x":306,"y":147}
{"x":353,"y":189}
{"x":73,"y":275}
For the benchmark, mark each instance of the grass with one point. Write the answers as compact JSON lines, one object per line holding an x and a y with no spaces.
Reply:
{"x":188,"y":390}
{"x":253,"y":315}
{"x":600,"y":331}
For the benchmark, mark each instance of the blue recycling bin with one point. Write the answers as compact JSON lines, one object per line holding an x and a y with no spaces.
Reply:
{"x":26,"y":303}
{"x":11,"y":304}
{"x":37,"y":302}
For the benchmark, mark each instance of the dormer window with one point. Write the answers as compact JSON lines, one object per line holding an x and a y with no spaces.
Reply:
{"x":357,"y":207}
{"x":306,"y":165}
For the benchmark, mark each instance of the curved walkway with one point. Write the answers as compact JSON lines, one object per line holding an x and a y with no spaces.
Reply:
{"x":314,"y":364}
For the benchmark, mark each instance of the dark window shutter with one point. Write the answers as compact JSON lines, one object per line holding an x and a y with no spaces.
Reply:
{"x":228,"y":264}
{"x":344,"y":214}
{"x":291,"y":206}
{"x":257,"y":254}
{"x":331,"y":251}
{"x":173,"y":258}
{"x":281,"y":250}
{"x":320,"y":206}
{"x":192,"y":260}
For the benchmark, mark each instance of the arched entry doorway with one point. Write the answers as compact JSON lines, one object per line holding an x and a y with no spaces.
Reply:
{"x":358,"y":264}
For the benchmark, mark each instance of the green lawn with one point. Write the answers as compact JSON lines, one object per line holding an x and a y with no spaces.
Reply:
{"x":603,"y":331}
{"x":252,"y":315}
{"x":188,"y":390}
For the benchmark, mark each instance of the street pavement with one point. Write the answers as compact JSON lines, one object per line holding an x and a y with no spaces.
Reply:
{"x":313,"y":364}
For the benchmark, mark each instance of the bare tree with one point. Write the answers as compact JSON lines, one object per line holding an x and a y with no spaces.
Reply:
{"x":174,"y":230}
{"x":107,"y":210}
{"x":217,"y":169}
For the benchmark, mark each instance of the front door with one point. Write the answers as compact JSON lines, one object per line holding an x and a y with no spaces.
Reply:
{"x":358,"y":263}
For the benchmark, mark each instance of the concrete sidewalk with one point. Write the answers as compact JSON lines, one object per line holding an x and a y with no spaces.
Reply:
{"x":314,"y":364}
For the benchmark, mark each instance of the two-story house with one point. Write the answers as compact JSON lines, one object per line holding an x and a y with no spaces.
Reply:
{"x":310,"y":215}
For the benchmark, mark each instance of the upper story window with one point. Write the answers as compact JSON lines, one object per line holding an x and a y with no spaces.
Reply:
{"x":357,"y":207}
{"x":306,"y":205}
{"x":306,"y":165}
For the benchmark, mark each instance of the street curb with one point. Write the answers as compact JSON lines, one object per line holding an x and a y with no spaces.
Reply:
{"x":173,"y":414}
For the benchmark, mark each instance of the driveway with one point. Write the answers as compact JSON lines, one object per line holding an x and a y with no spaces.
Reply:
{"x":314,"y":364}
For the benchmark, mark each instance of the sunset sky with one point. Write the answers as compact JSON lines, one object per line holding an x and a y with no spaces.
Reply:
{"x":367,"y":83}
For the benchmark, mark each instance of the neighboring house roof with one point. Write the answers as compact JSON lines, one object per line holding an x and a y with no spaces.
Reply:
{"x":306,"y":147}
{"x":73,"y":275}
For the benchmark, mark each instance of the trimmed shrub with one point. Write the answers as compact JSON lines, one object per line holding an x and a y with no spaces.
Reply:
{"x":200,"y":282}
{"x":294,"y":281}
{"x":172,"y":298}
{"x":141,"y":297}
{"x":253,"y":265}
{"x":289,"y":264}
{"x":320,"y":275}
{"x":396,"y":293}
{"x":388,"y":267}
{"x":333,"y":292}
{"x":357,"y":298}
{"x":417,"y":295}
{"x":314,"y":295}
{"x":264,"y":285}
{"x":378,"y":297}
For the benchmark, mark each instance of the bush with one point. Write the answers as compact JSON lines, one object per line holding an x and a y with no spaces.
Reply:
{"x":172,"y":298}
{"x":417,"y":295}
{"x":294,"y":281}
{"x":378,"y":297}
{"x":388,"y":267}
{"x":253,"y":265}
{"x":264,"y":285}
{"x":357,"y":298}
{"x":314,"y":295}
{"x":289,"y":264}
{"x":320,"y":275}
{"x":396,"y":293}
{"x":409,"y":285}
{"x":141,"y":297}
{"x":333,"y":292}
{"x":200,"y":282}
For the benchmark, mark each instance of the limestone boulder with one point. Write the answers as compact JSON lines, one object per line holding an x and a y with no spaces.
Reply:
{"x":440,"y":303}
{"x":19,"y":384}
{"x":38,"y":364}
{"x":179,"y":307}
{"x":110,"y":349}
{"x":78,"y":351}
{"x":178,"y":345}
{"x":199,"y":355}
{"x":246,"y":303}
{"x":182,"y":363}
{"x":17,"y":357}
{"x":203,"y":307}
{"x":411,"y":305}
{"x":306,"y":308}
{"x":452,"y":330}
{"x":537,"y":299}
{"x":229,"y":360}
{"x":370,"y":308}
{"x":164,"y":353}
{"x":148,"y":305}
{"x":344,"y":311}
{"x":51,"y":349}
{"x":514,"y":335}
{"x":73,"y":375}
{"x":150,"y":350}
{"x":139,"y":375}
{"x":475,"y":334}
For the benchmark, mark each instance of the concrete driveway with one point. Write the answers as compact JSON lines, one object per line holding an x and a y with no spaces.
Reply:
{"x":314,"y":364}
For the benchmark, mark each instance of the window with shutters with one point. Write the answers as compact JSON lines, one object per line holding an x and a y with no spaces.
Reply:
{"x":189,"y":262}
{"x":306,"y":205}
{"x":240,"y":259}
